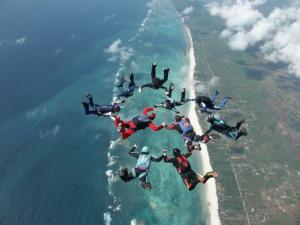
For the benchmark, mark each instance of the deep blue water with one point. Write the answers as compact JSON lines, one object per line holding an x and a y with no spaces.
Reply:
{"x":53,"y":157}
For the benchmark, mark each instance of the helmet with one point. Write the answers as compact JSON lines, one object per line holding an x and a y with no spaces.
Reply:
{"x":116,"y":107}
{"x":178,"y":118}
{"x":176,"y":152}
{"x":145,"y":150}
{"x":152,"y":116}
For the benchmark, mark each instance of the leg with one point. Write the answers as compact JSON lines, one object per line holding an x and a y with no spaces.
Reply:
{"x":239,"y":123}
{"x":125,"y":175}
{"x":207,"y":176}
{"x":121,"y":82}
{"x":191,"y":180}
{"x":144,"y":183}
{"x":153,"y":71}
{"x":166,"y":74}
{"x":125,"y":133}
{"x":182,"y":99}
{"x":86,"y":107}
{"x":147,"y":85}
{"x":213,"y":98}
{"x":90,"y":98}
{"x":242,"y":132}
{"x":171,"y":88}
{"x":131,"y":85}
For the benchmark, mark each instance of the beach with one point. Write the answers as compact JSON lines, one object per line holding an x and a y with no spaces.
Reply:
{"x":210,"y":199}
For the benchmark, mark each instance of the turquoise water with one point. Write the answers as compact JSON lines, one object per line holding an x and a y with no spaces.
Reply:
{"x":54,"y":159}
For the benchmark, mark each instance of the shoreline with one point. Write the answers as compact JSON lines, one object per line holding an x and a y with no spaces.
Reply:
{"x":210,"y":191}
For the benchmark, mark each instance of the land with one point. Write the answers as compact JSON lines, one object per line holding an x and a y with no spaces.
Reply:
{"x":259,"y":182}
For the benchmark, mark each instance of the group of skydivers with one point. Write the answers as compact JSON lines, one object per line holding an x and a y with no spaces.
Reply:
{"x":182,"y":124}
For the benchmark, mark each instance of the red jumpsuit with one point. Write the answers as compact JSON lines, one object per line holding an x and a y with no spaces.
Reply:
{"x":129,"y":127}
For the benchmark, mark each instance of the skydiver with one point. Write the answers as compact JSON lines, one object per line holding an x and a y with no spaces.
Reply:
{"x":90,"y":108}
{"x":127,"y":128}
{"x":169,"y":102}
{"x":189,"y":177}
{"x":142,"y":167}
{"x":126,"y":93}
{"x":206,"y":103}
{"x":184,"y":127}
{"x":156,"y":83}
{"x":221,"y":127}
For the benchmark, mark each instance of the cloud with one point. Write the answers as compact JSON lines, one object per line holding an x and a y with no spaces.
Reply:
{"x":108,"y":18}
{"x":118,"y":51}
{"x":57,"y":51}
{"x":53,"y":131}
{"x":107,"y":218}
{"x":276,"y":35}
{"x":188,"y":10}
{"x":20,"y":41}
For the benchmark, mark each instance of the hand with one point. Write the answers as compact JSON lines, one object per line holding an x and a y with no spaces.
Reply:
{"x":163,"y":124}
{"x":135,"y":146}
{"x":164,"y":152}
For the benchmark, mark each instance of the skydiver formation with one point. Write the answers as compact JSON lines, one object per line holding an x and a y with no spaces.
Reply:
{"x":182,"y":125}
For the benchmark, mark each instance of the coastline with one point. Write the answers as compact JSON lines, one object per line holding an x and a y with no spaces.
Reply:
{"x":210,"y":191}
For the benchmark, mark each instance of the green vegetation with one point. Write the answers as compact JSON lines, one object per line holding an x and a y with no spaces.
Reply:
{"x":261,"y":170}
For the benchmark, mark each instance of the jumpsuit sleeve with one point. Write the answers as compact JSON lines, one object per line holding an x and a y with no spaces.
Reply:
{"x":171,"y":126}
{"x":154,"y":127}
{"x":168,"y":159}
{"x":133,"y":153}
{"x":209,"y":130}
{"x":155,"y":159}
{"x":146,"y":110}
{"x":188,"y":154}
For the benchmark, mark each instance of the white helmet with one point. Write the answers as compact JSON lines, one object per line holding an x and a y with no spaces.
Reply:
{"x":145,"y":150}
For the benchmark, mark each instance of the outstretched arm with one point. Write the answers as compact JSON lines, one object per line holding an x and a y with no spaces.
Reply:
{"x":188,"y":154}
{"x":155,"y":159}
{"x":146,"y":110}
{"x":168,"y":159}
{"x":159,"y":105}
{"x":133,"y":153}
{"x":171,"y":126}
{"x":209,"y":130}
{"x":154,"y":127}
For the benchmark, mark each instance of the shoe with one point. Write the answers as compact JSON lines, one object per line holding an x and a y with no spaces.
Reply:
{"x":172,"y":86}
{"x":167,"y":70}
{"x":230,"y":98}
{"x":242,"y":121}
{"x":146,"y":186}
{"x":212,"y":174}
{"x":244,"y":132}
{"x":88,"y":95}
{"x":217,"y":92}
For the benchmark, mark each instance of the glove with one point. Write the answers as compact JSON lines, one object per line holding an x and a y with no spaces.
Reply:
{"x":135,"y":146}
{"x":164,"y":153}
{"x":163,"y":124}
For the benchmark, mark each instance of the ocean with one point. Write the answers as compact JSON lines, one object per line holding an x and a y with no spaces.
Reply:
{"x":59,"y":166}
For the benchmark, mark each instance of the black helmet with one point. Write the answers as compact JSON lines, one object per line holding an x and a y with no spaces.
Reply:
{"x":116,"y":107}
{"x":178,"y":118}
{"x":176,"y":152}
